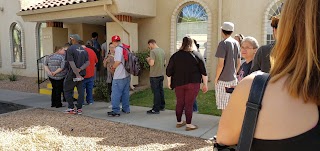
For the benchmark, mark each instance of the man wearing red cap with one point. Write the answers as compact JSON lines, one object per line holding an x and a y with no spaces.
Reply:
{"x":121,"y":81}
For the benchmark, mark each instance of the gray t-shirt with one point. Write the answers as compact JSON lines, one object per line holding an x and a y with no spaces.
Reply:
{"x":120,"y":72}
{"x":262,"y":59}
{"x":54,"y":62}
{"x":104,"y":47}
{"x":158,"y":56}
{"x":229,"y":50}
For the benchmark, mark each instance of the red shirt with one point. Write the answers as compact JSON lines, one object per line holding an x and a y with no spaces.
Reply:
{"x":93,"y":60}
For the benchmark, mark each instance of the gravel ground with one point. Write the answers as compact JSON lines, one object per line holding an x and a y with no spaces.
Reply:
{"x":23,"y":84}
{"x":93,"y":134}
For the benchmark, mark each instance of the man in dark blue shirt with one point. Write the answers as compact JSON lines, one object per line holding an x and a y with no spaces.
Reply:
{"x":77,"y":57}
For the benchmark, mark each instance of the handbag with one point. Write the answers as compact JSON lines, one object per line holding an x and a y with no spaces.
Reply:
{"x":253,"y":108}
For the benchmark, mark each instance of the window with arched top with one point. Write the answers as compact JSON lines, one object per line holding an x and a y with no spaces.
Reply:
{"x":39,"y":34}
{"x":17,"y":45}
{"x":273,"y":10}
{"x":192,"y":21}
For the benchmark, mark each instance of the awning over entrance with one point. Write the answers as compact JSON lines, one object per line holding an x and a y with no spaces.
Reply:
{"x":85,"y":11}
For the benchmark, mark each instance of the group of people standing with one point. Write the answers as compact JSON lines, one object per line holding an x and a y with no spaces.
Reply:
{"x":73,"y":65}
{"x":230,"y":69}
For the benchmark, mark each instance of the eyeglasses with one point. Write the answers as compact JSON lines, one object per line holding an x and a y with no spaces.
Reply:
{"x":246,"y":48}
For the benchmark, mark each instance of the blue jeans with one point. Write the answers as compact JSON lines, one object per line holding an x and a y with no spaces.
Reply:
{"x":158,"y":94}
{"x":120,"y":93}
{"x":195,"y":106}
{"x":88,"y":87}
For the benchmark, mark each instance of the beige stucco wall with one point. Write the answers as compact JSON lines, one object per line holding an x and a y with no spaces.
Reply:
{"x":74,"y":28}
{"x":85,"y":30}
{"x":248,"y":16}
{"x":8,"y":16}
{"x":136,"y":7}
{"x":52,"y":38}
{"x":113,"y":28}
{"x":88,"y":29}
{"x":159,"y":27}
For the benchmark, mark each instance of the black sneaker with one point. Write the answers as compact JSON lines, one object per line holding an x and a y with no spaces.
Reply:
{"x":162,"y":109}
{"x":125,"y":111}
{"x":113,"y":114}
{"x":153,"y":112}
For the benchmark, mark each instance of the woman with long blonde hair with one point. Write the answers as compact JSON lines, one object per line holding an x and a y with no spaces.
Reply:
{"x":289,"y":117}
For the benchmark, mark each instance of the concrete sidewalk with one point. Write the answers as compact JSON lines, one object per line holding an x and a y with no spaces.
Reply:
{"x":164,"y":121}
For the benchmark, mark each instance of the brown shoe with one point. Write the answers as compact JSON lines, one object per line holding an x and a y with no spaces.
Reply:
{"x":181,"y":125}
{"x":191,"y":128}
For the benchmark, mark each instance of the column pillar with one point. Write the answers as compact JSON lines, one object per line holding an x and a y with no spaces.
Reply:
{"x":114,"y":28}
{"x":54,"y":35}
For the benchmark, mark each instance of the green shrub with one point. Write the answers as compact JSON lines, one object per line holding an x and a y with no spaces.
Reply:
{"x":142,"y":59}
{"x":13,"y":77}
{"x":2,"y":77}
{"x":101,"y":92}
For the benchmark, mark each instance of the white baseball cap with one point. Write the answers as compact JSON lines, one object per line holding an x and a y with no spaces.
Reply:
{"x":227,"y":26}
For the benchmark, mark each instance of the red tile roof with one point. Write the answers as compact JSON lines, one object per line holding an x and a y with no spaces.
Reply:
{"x":55,"y":3}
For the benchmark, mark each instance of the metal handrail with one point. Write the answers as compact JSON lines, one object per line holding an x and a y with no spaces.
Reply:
{"x":42,"y":76}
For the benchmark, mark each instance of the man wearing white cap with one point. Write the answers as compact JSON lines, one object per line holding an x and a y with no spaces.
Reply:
{"x":228,"y":54}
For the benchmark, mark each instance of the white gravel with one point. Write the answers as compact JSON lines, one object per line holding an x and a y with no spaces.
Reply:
{"x":40,"y":129}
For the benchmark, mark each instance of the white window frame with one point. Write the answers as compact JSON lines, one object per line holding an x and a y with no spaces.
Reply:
{"x":268,"y":31}
{"x":38,"y":40}
{"x":21,"y":65}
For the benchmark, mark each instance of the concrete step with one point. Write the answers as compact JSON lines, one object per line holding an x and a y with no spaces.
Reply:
{"x":48,"y":91}
{"x":49,"y":86}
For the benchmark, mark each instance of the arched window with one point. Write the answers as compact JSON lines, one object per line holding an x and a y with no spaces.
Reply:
{"x":16,"y":34}
{"x":17,"y":46}
{"x":273,"y":10}
{"x":39,"y":28}
{"x":192,"y":21}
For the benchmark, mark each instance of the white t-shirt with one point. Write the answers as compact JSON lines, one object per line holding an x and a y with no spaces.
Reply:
{"x":120,"y":72}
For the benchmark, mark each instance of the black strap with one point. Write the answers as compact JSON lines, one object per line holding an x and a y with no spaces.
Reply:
{"x":252,"y":111}
{"x":195,"y":57}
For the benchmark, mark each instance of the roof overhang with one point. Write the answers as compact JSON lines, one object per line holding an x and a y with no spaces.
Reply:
{"x":89,"y":10}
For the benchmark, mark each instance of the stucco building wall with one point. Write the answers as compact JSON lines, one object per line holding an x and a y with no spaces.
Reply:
{"x":248,"y":16}
{"x":8,"y":16}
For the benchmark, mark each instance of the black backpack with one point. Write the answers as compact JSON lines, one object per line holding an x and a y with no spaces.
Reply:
{"x":131,"y":64}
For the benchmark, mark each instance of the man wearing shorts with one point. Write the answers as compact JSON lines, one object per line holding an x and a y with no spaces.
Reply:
{"x":228,"y":54}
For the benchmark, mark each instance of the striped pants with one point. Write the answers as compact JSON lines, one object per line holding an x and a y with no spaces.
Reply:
{"x":222,"y":97}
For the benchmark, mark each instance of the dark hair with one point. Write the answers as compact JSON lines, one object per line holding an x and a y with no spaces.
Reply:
{"x":81,"y":42}
{"x":94,"y":34}
{"x":57,"y":48}
{"x":274,"y":22}
{"x":227,"y":32}
{"x":110,"y":43}
{"x":152,"y":41}
{"x":67,"y":45}
{"x":186,"y":44}
{"x":196,"y":43}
